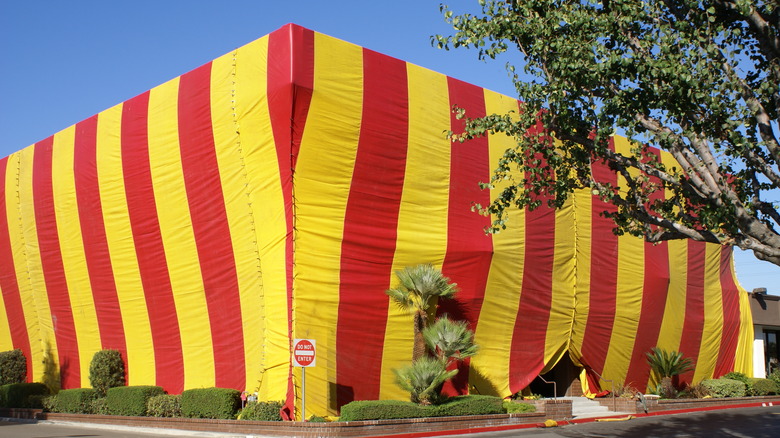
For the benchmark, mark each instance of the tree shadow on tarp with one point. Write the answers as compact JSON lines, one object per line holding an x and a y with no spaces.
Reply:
{"x":51,"y":373}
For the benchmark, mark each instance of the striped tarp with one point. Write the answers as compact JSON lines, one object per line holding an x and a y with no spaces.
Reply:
{"x":271,"y":194}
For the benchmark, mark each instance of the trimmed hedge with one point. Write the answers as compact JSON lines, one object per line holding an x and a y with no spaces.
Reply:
{"x":164,"y":405}
{"x":762,"y":387}
{"x":725,"y":387}
{"x":130,"y":400}
{"x":262,"y":411}
{"x":21,"y":395}
{"x":76,"y":401}
{"x":394,"y":409}
{"x":219,"y":403}
{"x":13,"y":367}
{"x":513,"y":407}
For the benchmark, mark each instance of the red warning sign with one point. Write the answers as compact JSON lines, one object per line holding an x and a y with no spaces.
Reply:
{"x":304,"y":352}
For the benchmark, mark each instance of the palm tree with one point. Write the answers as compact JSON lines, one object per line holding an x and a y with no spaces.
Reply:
{"x":666,"y":365}
{"x":424,"y":379}
{"x":449,"y":340}
{"x":419,"y":286}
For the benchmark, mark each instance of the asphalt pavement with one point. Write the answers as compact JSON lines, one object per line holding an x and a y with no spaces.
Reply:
{"x":757,"y":422}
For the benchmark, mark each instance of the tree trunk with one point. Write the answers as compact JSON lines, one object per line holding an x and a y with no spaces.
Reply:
{"x":420,"y":320}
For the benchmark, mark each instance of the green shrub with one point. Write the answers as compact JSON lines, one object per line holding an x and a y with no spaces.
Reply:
{"x":49,"y":403}
{"x":725,"y":387}
{"x":13,"y":367}
{"x":775,"y":377}
{"x":317,"y":419}
{"x":469,"y":405}
{"x":262,"y":411}
{"x":18,"y":395}
{"x":164,"y":405}
{"x":220,"y":403}
{"x":106,"y":371}
{"x":762,"y":387}
{"x":734,"y":375}
{"x":394,"y":409}
{"x":76,"y":401}
{"x":99,"y":406}
{"x":512,"y":407}
{"x":130,"y":400}
{"x":381,"y":410}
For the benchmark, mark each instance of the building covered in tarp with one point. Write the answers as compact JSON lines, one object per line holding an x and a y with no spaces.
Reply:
{"x":272,"y":193}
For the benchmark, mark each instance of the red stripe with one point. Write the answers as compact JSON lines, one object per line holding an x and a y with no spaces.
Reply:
{"x":93,"y":232}
{"x":603,"y":278}
{"x":526,"y":358}
{"x":655,"y":291}
{"x":469,"y":249}
{"x":150,"y":252}
{"x":210,"y":227}
{"x":11,"y":296}
{"x":694,"y":306}
{"x":289,"y":90}
{"x":370,"y":228}
{"x":654,"y":294}
{"x":731,"y":315}
{"x":53,"y":269}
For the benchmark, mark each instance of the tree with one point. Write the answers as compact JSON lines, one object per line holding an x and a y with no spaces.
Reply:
{"x":106,"y":370}
{"x":419,"y":286}
{"x":450,"y":341}
{"x":666,"y":365}
{"x":697,"y":78}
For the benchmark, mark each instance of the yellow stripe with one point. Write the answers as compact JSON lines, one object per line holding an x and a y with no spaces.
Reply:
{"x":5,"y":329}
{"x":267,"y":330}
{"x":744,"y":359}
{"x":119,"y":236}
{"x":563,"y":282}
{"x":181,"y":253}
{"x":713,"y":316}
{"x":674,"y":313}
{"x":628,"y":299}
{"x":505,"y":279}
{"x":74,"y":260}
{"x":323,"y":178}
{"x":33,"y":281}
{"x":16,"y":237}
{"x":423,"y":209}
{"x":237,"y":207}
{"x":583,"y":230}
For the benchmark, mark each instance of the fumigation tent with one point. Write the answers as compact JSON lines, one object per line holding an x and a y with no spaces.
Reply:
{"x":271,"y":194}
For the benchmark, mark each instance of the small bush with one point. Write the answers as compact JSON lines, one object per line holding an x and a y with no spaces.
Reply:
{"x":725,"y":387}
{"x":262,"y":411}
{"x":734,"y":375}
{"x":99,"y":406}
{"x":18,"y":395}
{"x":219,"y":403}
{"x":76,"y":401}
{"x":394,"y":409}
{"x":381,"y":410}
{"x":518,"y":408}
{"x":164,"y":405}
{"x":762,"y":387}
{"x":49,"y":403}
{"x":698,"y":391}
{"x":469,"y":405}
{"x":13,"y":367}
{"x":106,"y":371}
{"x":317,"y":419}
{"x":130,"y":400}
{"x":775,"y":377}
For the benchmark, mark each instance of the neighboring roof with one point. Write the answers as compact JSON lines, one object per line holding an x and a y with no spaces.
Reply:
{"x":765,"y":309}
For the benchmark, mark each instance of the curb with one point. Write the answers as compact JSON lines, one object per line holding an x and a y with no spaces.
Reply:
{"x":574,"y":421}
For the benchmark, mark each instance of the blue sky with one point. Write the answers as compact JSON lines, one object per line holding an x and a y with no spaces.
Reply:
{"x":63,"y":61}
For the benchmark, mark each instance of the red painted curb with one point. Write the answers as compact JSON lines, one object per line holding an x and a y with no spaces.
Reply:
{"x":567,"y":422}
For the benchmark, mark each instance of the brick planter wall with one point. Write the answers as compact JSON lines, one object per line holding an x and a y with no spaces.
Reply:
{"x":634,"y":406}
{"x":552,"y":409}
